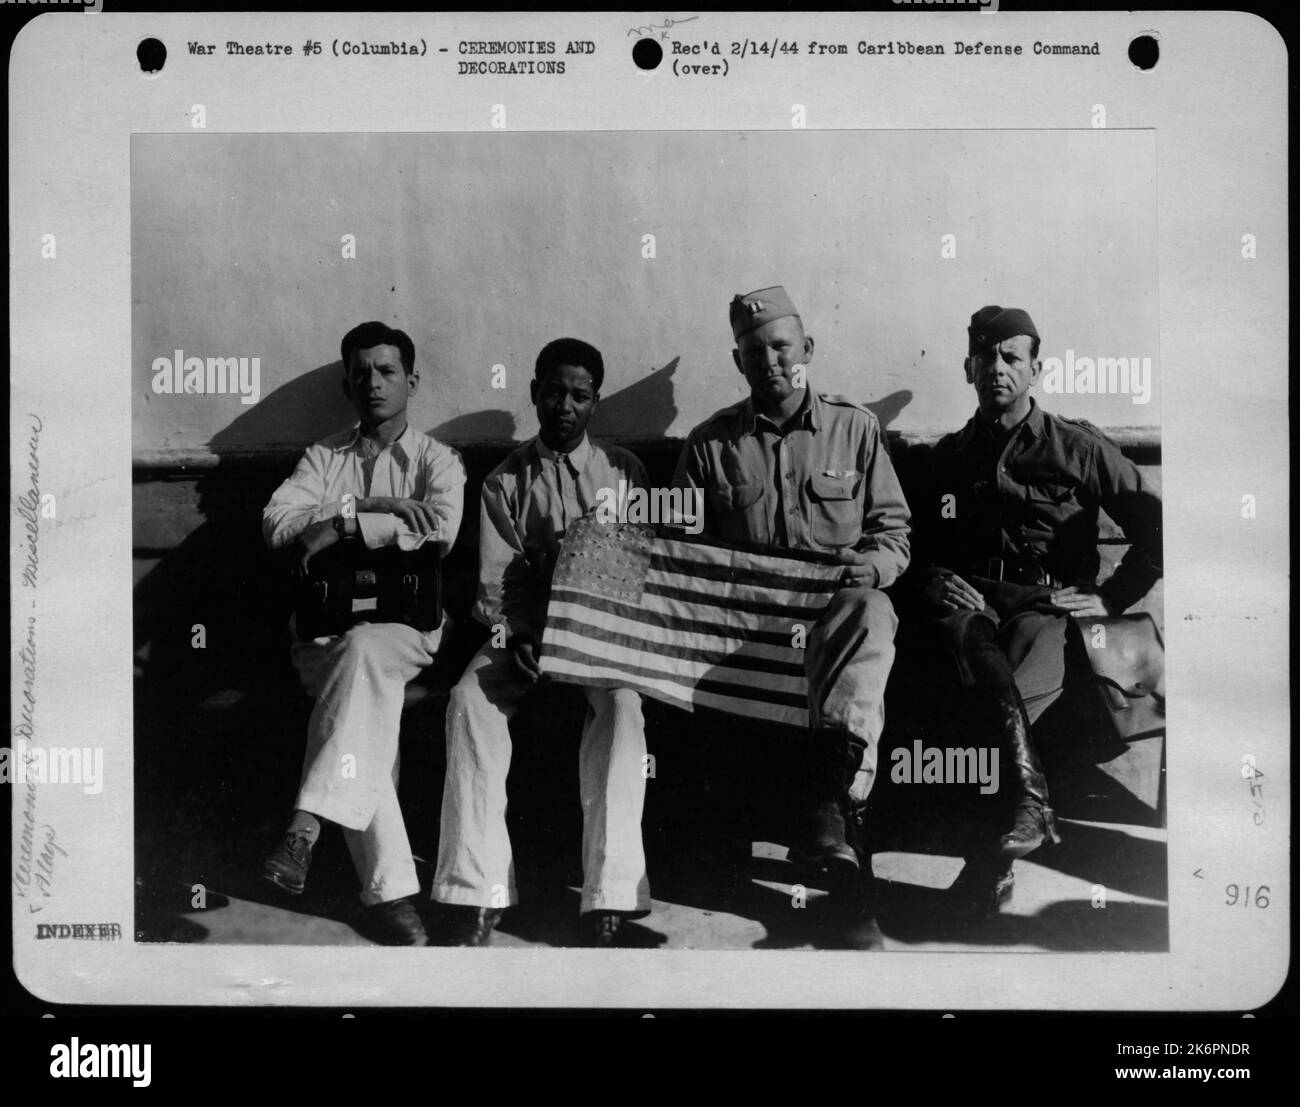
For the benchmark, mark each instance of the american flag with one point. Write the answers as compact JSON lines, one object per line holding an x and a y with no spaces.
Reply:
{"x":689,"y":622}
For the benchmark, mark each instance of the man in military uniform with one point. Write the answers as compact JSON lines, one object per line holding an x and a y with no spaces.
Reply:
{"x":1006,"y":553}
{"x":793,"y":468}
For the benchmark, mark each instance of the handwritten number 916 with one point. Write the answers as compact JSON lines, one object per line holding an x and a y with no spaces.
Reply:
{"x":1235,"y":894}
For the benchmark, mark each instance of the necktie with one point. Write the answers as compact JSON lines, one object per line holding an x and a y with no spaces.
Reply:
{"x":566,"y":482}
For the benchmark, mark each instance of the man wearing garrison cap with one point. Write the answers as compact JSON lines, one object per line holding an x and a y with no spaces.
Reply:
{"x":1006,"y":552}
{"x":792,"y":467}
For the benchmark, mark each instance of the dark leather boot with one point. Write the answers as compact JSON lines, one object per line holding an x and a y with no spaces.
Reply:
{"x":835,"y":757}
{"x":1032,"y":821}
{"x":999,"y":714}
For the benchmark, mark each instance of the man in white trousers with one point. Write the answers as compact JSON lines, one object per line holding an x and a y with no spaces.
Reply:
{"x":385,"y":484}
{"x":528,"y":503}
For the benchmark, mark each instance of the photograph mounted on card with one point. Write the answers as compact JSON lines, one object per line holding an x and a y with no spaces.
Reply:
{"x":605,"y":490}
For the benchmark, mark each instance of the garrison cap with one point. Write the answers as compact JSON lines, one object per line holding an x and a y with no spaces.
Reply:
{"x":751,"y":311}
{"x":990,"y":325}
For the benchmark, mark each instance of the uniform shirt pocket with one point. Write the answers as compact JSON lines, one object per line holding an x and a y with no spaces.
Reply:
{"x":1049,"y":505}
{"x":1051,"y":499}
{"x":737,"y":511}
{"x":734,"y":497}
{"x":835,"y":517}
{"x":1048,"y":492}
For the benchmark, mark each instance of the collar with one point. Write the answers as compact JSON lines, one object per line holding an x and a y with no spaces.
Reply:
{"x":578,"y":456}
{"x":809,"y":413}
{"x":1031,"y":424}
{"x":404,"y":444}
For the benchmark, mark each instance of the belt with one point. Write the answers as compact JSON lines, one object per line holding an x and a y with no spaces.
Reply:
{"x":1014,"y":570}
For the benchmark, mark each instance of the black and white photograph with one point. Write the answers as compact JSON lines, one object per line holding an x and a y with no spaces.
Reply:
{"x":874,"y":661}
{"x":650,"y":511}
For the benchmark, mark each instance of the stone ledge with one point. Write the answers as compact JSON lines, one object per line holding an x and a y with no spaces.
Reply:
{"x":1140,"y":444}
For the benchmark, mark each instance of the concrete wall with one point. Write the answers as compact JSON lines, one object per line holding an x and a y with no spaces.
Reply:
{"x":485,"y":246}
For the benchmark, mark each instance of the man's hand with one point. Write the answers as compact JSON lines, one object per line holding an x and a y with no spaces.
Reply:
{"x":946,"y":590}
{"x":1081,"y":599}
{"x":858,"y":571}
{"x":317,"y":537}
{"x":416,"y":514}
{"x":524,"y":651}
{"x":861,"y":787}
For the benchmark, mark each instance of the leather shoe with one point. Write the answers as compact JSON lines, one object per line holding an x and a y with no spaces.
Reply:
{"x":981,"y":889}
{"x":467,"y":926}
{"x":852,"y":915}
{"x":287,"y":865}
{"x":599,"y":929}
{"x":829,"y":848}
{"x":860,"y":931}
{"x":395,"y":922}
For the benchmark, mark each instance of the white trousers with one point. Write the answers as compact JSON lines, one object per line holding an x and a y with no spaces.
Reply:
{"x":475,"y":864}
{"x":349,"y":776}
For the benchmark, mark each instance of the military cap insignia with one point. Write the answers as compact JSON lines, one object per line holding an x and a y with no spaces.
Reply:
{"x":754,"y":309}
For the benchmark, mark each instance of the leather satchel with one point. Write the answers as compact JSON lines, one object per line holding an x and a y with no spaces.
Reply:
{"x":1127,"y":658}
{"x":350,"y":583}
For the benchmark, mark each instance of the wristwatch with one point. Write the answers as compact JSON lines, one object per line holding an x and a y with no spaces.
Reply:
{"x":341,"y":527}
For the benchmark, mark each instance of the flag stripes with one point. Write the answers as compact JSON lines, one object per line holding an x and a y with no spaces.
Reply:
{"x":690,"y":623}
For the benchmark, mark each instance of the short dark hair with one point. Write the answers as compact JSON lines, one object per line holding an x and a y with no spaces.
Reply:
{"x":571,"y":351}
{"x":371,"y":334}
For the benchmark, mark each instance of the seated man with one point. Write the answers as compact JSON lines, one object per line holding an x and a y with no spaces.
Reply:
{"x":794,"y":468}
{"x":529,"y":500}
{"x":382,"y":483}
{"x":1006,"y":553}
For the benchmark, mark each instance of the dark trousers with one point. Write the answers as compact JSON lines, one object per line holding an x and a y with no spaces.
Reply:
{"x":1030,"y":631}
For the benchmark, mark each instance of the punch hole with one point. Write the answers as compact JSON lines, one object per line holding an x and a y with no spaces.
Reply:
{"x":1144,"y":51}
{"x":647,"y":53}
{"x":152,"y":55}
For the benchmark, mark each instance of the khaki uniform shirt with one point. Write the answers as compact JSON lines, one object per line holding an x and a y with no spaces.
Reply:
{"x":825,"y":483}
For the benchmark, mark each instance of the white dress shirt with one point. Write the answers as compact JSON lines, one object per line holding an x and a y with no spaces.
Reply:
{"x":415,"y":467}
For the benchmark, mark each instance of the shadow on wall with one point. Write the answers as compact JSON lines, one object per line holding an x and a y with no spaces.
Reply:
{"x":306,"y":409}
{"x":493,"y":425}
{"x":890,"y":407}
{"x":312,"y":406}
{"x":642,"y":410}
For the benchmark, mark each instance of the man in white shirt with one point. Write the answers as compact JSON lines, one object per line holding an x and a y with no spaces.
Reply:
{"x":385,"y":484}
